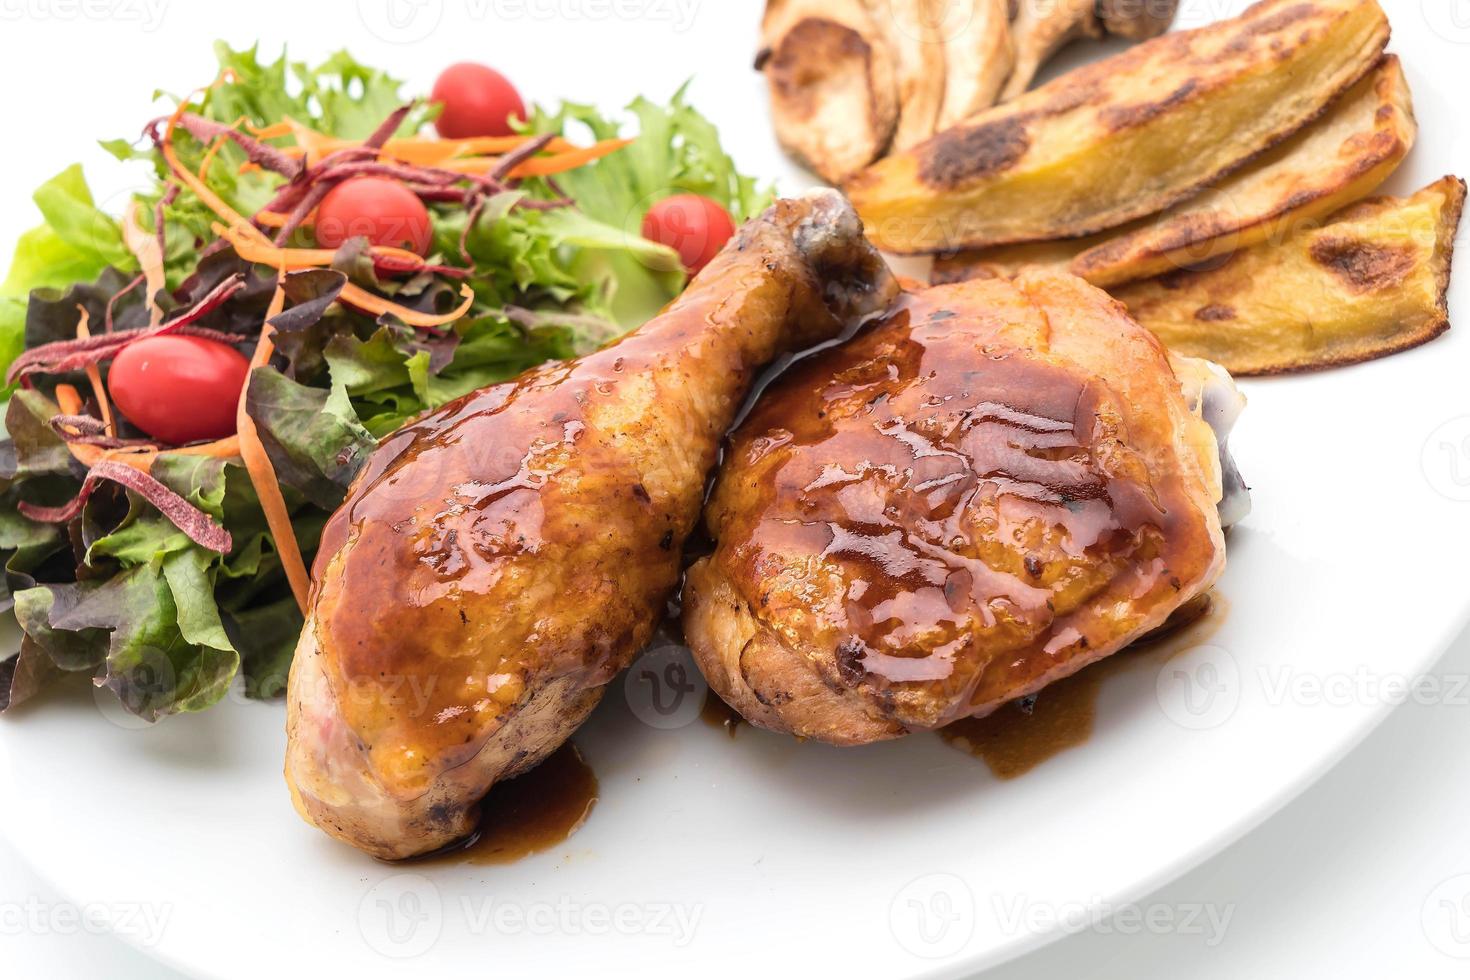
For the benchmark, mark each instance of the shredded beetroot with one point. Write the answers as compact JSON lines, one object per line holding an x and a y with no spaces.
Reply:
{"x":198,"y":526}
{"x":519,"y":156}
{"x":298,"y":198}
{"x":259,"y":153}
{"x":62,"y":356}
{"x":85,"y":430}
{"x":169,"y":196}
{"x":389,"y":126}
{"x":86,"y":425}
{"x":301,"y":210}
{"x":211,"y":301}
{"x":112,"y":301}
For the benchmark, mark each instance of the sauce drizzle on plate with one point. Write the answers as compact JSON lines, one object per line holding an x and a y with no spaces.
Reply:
{"x":1023,"y":734}
{"x":532,"y":813}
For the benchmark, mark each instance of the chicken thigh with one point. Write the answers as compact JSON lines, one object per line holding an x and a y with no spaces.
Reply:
{"x":498,"y":562}
{"x":999,"y":484}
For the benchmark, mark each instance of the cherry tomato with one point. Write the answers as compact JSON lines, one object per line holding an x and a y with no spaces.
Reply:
{"x":477,"y":100}
{"x":376,"y":208}
{"x":179,"y":389}
{"x":692,"y":225}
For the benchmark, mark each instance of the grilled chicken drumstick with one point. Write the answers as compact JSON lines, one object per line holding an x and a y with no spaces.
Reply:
{"x":498,"y":562}
{"x":998,"y":485}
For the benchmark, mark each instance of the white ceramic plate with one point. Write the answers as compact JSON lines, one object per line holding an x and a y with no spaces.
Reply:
{"x":716,"y":857}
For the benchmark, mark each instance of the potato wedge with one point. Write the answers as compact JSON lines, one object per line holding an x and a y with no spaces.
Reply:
{"x":834,"y":91}
{"x":912,"y":28}
{"x":1137,"y":20}
{"x":1124,"y":137}
{"x":1339,"y":159}
{"x":1370,"y":282}
{"x":978,"y":55}
{"x":1042,"y":28}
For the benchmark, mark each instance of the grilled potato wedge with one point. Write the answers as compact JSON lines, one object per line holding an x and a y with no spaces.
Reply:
{"x":1124,"y":137}
{"x":912,"y":28}
{"x":1337,"y":160}
{"x":834,"y":91}
{"x":1370,"y":282}
{"x":978,"y":55}
{"x":1042,"y":28}
{"x":1137,"y":20}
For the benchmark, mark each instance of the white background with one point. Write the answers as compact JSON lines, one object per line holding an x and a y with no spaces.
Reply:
{"x":1336,"y":885}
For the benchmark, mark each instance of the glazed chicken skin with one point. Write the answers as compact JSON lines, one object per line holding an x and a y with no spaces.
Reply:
{"x":999,"y":484}
{"x":498,"y":562}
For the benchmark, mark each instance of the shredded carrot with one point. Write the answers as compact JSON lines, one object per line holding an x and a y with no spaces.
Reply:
{"x":308,"y":141}
{"x":215,"y":145}
{"x":70,"y":402}
{"x":308,"y":258}
{"x":144,"y":246}
{"x":211,"y":200}
{"x":425,"y":152}
{"x":94,"y":375}
{"x":304,"y":258}
{"x":364,"y":300}
{"x":263,"y":474}
{"x":274,"y":131}
{"x":273,"y":219}
{"x":138,"y":457}
{"x":541,"y":166}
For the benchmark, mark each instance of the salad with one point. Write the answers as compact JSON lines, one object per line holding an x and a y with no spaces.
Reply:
{"x":192,"y":384}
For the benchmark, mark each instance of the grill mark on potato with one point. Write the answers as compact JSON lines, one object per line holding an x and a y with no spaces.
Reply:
{"x":1117,"y":118}
{"x":1280,"y":21}
{"x":973,"y":152}
{"x":1075,"y":96}
{"x":1215,"y":313}
{"x":792,"y":68}
{"x":1364,"y":266}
